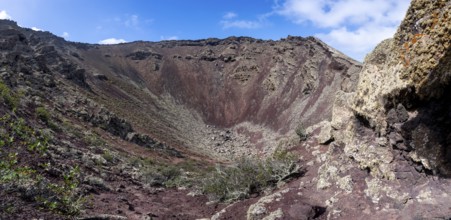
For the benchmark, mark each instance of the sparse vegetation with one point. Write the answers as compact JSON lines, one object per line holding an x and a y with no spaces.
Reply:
{"x":22,"y":152}
{"x":162,"y":175}
{"x":43,"y":114}
{"x":108,"y":156}
{"x":62,"y":197}
{"x":93,"y":139}
{"x":222,"y":183}
{"x":10,"y":98}
{"x":249,"y":176}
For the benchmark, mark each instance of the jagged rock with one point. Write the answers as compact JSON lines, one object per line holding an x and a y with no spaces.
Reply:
{"x":11,"y":36}
{"x":101,"y":77}
{"x":259,"y":211}
{"x":405,"y":71}
{"x":321,"y":131}
{"x":395,"y":130}
{"x":414,"y":62}
{"x":325,"y":134}
{"x":142,"y":55}
{"x":117,"y":126}
{"x":397,"y":115}
{"x":96,"y":181}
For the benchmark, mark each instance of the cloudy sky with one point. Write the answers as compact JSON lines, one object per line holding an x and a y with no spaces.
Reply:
{"x":351,"y":26}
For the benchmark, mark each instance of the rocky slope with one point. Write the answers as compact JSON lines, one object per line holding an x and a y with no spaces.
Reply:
{"x":221,"y":97}
{"x":129,"y":117}
{"x":122,"y":127}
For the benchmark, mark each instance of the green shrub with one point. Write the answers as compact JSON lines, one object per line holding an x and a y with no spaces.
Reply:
{"x":93,"y":139}
{"x":300,"y":131}
{"x":249,"y":177}
{"x":184,"y":174}
{"x":8,"y":96}
{"x":43,"y":114}
{"x":161,"y":175}
{"x":108,"y":156}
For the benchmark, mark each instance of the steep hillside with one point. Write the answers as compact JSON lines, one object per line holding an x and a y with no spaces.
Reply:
{"x":188,"y":93}
{"x":124,"y":120}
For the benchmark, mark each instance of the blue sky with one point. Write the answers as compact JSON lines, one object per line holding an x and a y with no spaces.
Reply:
{"x":351,"y":26}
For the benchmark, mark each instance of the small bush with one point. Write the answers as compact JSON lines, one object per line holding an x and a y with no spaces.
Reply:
{"x":43,"y":114}
{"x":159,"y":175}
{"x":249,"y":177}
{"x":108,"y":156}
{"x":8,"y":96}
{"x":163,"y":174}
{"x":93,"y":139}
{"x":300,"y":131}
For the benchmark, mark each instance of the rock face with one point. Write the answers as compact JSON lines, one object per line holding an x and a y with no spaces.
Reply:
{"x":399,"y":114}
{"x":412,"y":66}
{"x":404,"y":83}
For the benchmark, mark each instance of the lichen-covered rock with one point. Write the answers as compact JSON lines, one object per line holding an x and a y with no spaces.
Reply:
{"x":395,"y":126}
{"x":378,"y":78}
{"x":398,"y":78}
{"x":321,"y":131}
{"x":416,"y":62}
{"x":325,"y":135}
{"x":259,"y":210}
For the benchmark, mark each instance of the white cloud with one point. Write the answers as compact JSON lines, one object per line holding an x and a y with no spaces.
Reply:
{"x":36,"y":29}
{"x":112,"y":41}
{"x":228,"y":21}
{"x":229,"y":15}
{"x":4,"y":15}
{"x":351,"y":26}
{"x":240,"y":24}
{"x":132,"y":21}
{"x":65,"y":35}
{"x":357,"y":43}
{"x":334,"y":13}
{"x":169,"y":38}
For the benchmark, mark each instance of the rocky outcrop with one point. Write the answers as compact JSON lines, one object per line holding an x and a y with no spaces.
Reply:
{"x":412,"y":66}
{"x":402,"y":88}
{"x":395,"y":126}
